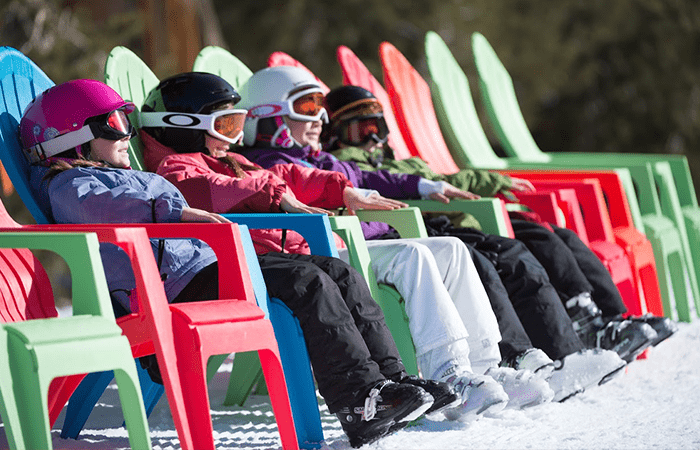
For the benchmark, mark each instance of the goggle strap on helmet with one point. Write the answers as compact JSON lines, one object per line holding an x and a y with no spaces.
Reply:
{"x":355,"y":104}
{"x":283,"y":136}
{"x":192,"y":121}
{"x":59,"y":144}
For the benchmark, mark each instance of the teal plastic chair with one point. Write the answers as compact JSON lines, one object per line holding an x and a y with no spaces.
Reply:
{"x":39,"y":349}
{"x":665,"y":172}
{"x":469,"y":146}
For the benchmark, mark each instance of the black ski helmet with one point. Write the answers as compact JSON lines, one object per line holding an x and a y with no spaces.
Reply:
{"x":194,"y":93}
{"x":346,"y":104}
{"x":347,"y":98}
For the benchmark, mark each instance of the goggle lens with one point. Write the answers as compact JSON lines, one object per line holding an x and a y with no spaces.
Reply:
{"x":309,"y":104}
{"x":361,"y":131}
{"x":230,"y":125}
{"x":118,"y":121}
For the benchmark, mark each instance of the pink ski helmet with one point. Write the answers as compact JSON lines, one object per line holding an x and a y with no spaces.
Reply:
{"x":70,"y":114}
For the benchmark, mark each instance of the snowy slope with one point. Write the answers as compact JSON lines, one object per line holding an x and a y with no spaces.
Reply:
{"x":655,"y":405}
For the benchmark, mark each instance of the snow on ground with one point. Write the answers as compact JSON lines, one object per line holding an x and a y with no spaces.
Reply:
{"x":655,"y":405}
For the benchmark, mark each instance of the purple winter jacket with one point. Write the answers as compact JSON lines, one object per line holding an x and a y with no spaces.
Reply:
{"x":390,"y":185}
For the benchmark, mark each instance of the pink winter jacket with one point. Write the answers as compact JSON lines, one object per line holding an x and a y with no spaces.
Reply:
{"x":211,"y":185}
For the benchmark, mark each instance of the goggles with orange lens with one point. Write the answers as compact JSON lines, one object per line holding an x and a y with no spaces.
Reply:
{"x":360,"y":131}
{"x":226,"y":124}
{"x":306,"y":106}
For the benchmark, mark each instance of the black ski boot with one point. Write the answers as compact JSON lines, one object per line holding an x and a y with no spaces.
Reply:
{"x":443,"y":394}
{"x":663,"y":326}
{"x":386,"y":404}
{"x":626,"y":337}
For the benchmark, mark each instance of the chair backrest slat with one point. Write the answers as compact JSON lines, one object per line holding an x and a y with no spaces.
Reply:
{"x":355,"y":73}
{"x":415,"y":114}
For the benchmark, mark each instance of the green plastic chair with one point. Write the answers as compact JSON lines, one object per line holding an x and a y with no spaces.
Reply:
{"x":133,"y":79}
{"x":469,"y":146}
{"x":667,"y":173}
{"x":37,"y":346}
{"x":221,"y":62}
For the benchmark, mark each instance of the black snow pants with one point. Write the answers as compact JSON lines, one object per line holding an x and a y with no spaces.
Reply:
{"x":526,"y":305}
{"x":572,"y":267}
{"x":349,"y":344}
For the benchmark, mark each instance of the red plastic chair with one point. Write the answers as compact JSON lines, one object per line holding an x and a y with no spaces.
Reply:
{"x":636,"y":246}
{"x":283,"y":59}
{"x":413,"y":107}
{"x":183,"y":336}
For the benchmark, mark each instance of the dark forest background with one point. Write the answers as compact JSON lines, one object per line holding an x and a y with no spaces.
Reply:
{"x":594,"y":75}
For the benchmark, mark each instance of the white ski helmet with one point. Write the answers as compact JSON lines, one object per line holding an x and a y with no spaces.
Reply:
{"x":274,"y":92}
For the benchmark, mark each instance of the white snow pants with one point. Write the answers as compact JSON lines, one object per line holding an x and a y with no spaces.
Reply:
{"x":449,"y":313}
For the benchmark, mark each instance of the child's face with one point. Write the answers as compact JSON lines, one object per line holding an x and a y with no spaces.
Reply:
{"x":115,"y":153}
{"x":305,"y":133}
{"x":216,"y":147}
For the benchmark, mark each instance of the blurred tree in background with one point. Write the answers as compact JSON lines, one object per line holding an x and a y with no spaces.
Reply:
{"x":593,"y":75}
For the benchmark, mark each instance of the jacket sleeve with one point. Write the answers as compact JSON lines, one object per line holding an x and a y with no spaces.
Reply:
{"x":388,"y":184}
{"x":314,"y":187}
{"x":77,"y":196}
{"x":217,"y":192}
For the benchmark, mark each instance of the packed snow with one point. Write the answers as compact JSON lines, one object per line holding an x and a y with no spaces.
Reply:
{"x":654,"y":405}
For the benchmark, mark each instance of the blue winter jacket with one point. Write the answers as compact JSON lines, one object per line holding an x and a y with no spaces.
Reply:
{"x":104,"y":195}
{"x":388,"y":184}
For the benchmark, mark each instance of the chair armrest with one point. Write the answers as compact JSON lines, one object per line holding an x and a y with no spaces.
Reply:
{"x":315,"y":228}
{"x":224,"y":239}
{"x":81,"y":253}
{"x":490,"y":212}
{"x":407,"y":221}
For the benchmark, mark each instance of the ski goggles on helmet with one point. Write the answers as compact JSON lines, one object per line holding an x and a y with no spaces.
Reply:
{"x":359,"y":131}
{"x":305,"y":106}
{"x":226,"y":124}
{"x":113,"y":126}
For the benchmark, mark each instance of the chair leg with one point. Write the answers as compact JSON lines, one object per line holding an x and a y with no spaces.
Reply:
{"x":60,"y":391}
{"x":30,"y":397}
{"x":298,"y":375}
{"x":213,"y":365}
{"x":8,"y":403}
{"x":151,"y":391}
{"x":274,"y":378}
{"x":132,"y":407}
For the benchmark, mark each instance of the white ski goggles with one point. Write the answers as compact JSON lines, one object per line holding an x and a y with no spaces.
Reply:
{"x":305,"y":106}
{"x":226,"y":124}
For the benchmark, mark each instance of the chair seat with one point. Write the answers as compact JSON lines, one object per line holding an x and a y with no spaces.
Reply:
{"x":218,"y":311}
{"x":75,"y":328}
{"x":658,"y":225}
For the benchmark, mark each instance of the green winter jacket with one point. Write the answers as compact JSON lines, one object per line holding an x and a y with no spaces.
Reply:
{"x":481,"y":182}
